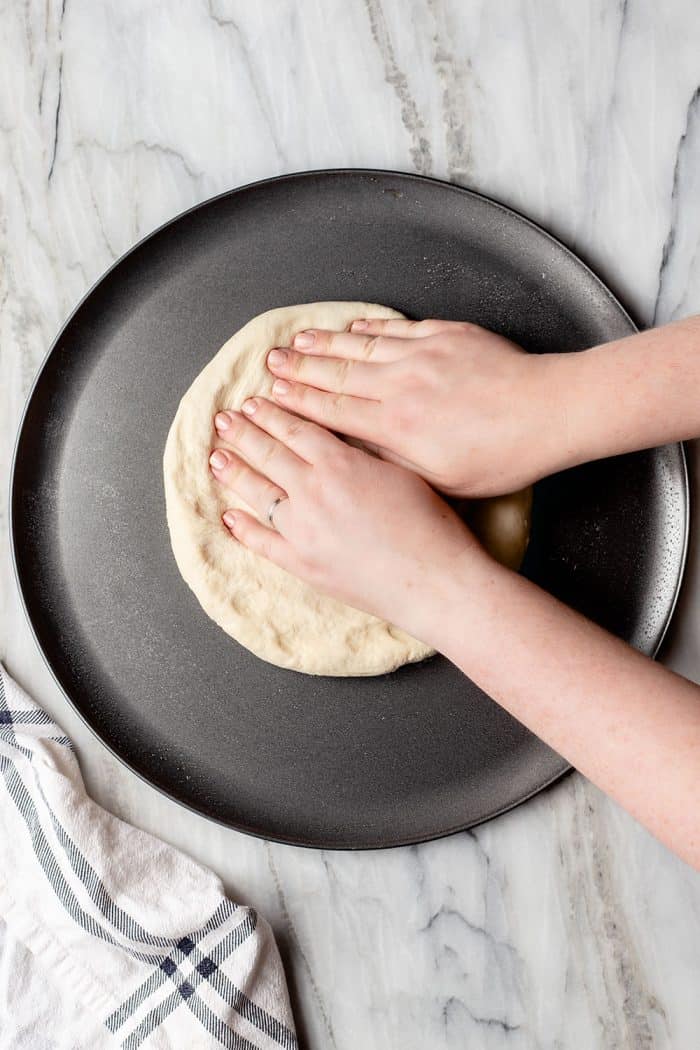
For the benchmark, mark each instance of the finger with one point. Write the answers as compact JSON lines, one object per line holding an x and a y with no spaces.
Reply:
{"x":306,"y":439}
{"x":261,"y":451}
{"x":399,"y":327}
{"x":328,"y":373}
{"x":256,"y":537}
{"x":340,"y":412}
{"x":354,"y":347}
{"x":235,"y":474}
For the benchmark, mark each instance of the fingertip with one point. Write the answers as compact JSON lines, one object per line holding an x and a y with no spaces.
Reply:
{"x":280,"y":387}
{"x":303,"y":340}
{"x":359,"y":326}
{"x":222,"y":421}
{"x":276,"y":358}
{"x":218,"y":459}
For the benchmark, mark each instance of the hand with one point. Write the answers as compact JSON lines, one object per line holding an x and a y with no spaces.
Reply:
{"x":364,"y":531}
{"x":463,"y":407}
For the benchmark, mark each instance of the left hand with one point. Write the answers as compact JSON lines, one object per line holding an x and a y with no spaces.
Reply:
{"x":362,"y":530}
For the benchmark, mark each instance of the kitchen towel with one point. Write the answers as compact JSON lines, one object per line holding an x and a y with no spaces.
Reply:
{"x":108,"y":936}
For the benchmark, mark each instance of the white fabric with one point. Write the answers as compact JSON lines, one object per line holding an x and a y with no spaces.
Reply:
{"x":108,"y":936}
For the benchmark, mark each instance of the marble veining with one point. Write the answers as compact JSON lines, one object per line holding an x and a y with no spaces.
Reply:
{"x":679,"y":258}
{"x":562,"y":925}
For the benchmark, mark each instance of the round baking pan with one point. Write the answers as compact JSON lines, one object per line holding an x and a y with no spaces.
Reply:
{"x":334,"y":762}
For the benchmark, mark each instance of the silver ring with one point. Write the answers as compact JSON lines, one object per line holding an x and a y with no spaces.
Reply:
{"x":272,"y":508}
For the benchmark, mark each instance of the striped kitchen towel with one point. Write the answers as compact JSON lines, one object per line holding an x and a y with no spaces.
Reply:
{"x":108,"y":936}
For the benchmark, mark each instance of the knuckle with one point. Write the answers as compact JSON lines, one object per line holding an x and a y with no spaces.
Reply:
{"x":265,"y":496}
{"x":312,"y":572}
{"x":317,"y":498}
{"x":335,"y":404}
{"x":296,"y":393}
{"x":296,"y":364}
{"x":243,"y":531}
{"x":432,"y":365}
{"x":266,"y":547}
{"x":259,"y":545}
{"x":254,"y":536}
{"x":370,"y":346}
{"x":338,"y":460}
{"x":234,"y":469}
{"x":317,"y":405}
{"x":335,"y":464}
{"x":235,"y":430}
{"x":404,"y":422}
{"x":342,"y":370}
{"x":304,"y":394}
{"x":402,"y":416}
{"x":410,"y":373}
{"x":268,"y":453}
{"x":293,"y":428}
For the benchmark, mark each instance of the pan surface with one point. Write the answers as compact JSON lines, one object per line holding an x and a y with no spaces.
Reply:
{"x":349,"y":762}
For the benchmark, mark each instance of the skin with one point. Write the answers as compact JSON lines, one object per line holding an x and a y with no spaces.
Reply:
{"x":464,"y":408}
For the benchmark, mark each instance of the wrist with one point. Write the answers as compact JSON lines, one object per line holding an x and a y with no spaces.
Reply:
{"x":564,"y":424}
{"x":618,"y":397}
{"x":452,"y":598}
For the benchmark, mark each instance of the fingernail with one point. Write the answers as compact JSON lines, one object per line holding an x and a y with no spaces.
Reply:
{"x":229,"y":519}
{"x":359,"y":326}
{"x":250,"y":407}
{"x":218,"y":459}
{"x":304,"y":339}
{"x":276,"y":358}
{"x":280,"y":386}
{"x":222,"y":420}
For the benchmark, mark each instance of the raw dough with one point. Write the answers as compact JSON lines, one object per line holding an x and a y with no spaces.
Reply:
{"x":502,"y":523}
{"x":275,"y":615}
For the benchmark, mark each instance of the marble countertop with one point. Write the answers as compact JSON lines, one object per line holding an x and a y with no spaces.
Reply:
{"x":562,"y":924}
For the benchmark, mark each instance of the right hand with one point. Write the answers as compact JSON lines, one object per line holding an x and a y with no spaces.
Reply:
{"x":463,"y":407}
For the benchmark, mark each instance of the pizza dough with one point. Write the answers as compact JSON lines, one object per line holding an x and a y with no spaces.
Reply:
{"x":502,"y":523}
{"x":273,"y":614}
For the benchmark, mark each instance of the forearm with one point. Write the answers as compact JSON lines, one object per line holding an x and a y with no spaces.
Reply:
{"x":628,"y":724}
{"x":626,"y":395}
